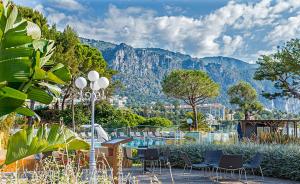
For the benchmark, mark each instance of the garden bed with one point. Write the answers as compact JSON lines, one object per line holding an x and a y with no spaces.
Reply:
{"x":281,"y":161}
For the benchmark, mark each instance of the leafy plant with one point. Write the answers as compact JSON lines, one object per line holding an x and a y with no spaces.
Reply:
{"x":25,"y":69}
{"x":158,"y":121}
{"x":25,"y":143}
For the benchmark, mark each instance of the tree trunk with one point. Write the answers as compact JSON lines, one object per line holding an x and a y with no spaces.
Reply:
{"x":30,"y":119}
{"x":247,"y":116}
{"x":67,"y":94}
{"x":194,"y":107}
{"x":73,"y":113}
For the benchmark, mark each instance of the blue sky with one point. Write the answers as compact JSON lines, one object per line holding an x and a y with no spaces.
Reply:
{"x":238,"y":28}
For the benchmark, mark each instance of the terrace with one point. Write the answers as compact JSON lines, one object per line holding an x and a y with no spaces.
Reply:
{"x":57,"y":124}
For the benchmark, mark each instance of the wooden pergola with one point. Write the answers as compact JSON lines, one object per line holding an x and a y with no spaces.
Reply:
{"x":249,"y":127}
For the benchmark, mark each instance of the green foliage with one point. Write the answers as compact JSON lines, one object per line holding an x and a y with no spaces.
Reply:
{"x":25,"y":69}
{"x":69,"y":51}
{"x":245,"y":97}
{"x":158,"y":121}
{"x":192,"y":86}
{"x":24,"y":143}
{"x":281,"y":161}
{"x":277,"y":138}
{"x":202,"y":124}
{"x":282,"y":69}
{"x":110,"y":117}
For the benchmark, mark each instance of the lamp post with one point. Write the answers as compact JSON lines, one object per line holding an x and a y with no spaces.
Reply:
{"x":189,"y":121}
{"x":96,"y":84}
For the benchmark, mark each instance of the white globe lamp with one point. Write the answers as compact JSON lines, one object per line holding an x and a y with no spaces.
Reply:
{"x":103,"y":82}
{"x":80,"y":82}
{"x":95,"y":86}
{"x":93,"y":76}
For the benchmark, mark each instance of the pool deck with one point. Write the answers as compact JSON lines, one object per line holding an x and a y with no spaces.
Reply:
{"x":197,"y":176}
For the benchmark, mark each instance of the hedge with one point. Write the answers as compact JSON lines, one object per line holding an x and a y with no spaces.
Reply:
{"x":280,"y":161}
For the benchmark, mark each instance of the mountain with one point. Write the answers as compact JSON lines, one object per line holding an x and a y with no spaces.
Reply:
{"x":142,"y":69}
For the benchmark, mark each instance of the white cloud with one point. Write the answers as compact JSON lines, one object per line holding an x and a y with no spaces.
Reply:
{"x":232,"y":44}
{"x":285,"y":31}
{"x":68,"y":4}
{"x":224,"y":31}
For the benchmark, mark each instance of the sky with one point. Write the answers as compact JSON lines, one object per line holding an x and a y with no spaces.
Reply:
{"x":243,"y":29}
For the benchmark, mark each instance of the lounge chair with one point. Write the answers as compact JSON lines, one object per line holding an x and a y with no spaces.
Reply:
{"x":132,"y":134}
{"x":254,"y":163}
{"x":157,"y":134}
{"x":121,"y":134}
{"x":138,"y":134}
{"x":150,"y":134}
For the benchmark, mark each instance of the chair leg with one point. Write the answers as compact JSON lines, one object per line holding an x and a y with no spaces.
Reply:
{"x":245,"y":174}
{"x":262,"y":175}
{"x":217,"y":174}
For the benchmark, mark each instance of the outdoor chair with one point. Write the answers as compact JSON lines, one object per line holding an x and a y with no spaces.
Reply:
{"x":151,"y":155}
{"x":121,"y":134}
{"x":213,"y":157}
{"x":255,"y":163}
{"x":145,"y":134}
{"x":188,"y":163}
{"x":157,"y":134}
{"x":132,"y":134}
{"x":150,"y":134}
{"x":164,"y":156}
{"x":231,"y":163}
{"x":138,"y":134}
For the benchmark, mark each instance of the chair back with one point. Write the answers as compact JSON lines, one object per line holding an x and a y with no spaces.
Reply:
{"x":231,"y":162}
{"x":256,"y":160}
{"x":151,"y":154}
{"x":213,"y":156}
{"x":184,"y":156}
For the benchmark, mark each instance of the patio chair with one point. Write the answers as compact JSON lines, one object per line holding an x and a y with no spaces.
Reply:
{"x":157,"y":134}
{"x":138,"y":134}
{"x":145,"y":134}
{"x":151,"y":155}
{"x":188,"y":163}
{"x":212,"y":157}
{"x":132,"y":134}
{"x":121,"y":134}
{"x":164,"y":156}
{"x":255,"y":163}
{"x":150,"y":134}
{"x":231,"y":163}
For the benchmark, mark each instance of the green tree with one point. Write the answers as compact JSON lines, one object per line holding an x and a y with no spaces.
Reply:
{"x":194,"y":87}
{"x":245,"y":97}
{"x":282,"y":69}
{"x":202,"y":124}
{"x":158,"y":121}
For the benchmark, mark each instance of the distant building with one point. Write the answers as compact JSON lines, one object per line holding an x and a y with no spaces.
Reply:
{"x":118,"y":101}
{"x":216,"y":110}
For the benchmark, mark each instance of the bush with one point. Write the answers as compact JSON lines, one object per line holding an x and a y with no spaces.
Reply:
{"x":158,"y":121}
{"x":281,"y":161}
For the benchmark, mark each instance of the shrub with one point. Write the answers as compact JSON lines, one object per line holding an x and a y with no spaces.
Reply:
{"x":281,"y":161}
{"x":158,"y":121}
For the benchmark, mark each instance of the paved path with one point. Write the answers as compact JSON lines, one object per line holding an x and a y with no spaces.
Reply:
{"x":198,"y":177}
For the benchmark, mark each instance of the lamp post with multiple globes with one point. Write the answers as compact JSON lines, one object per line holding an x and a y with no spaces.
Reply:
{"x":96,"y":84}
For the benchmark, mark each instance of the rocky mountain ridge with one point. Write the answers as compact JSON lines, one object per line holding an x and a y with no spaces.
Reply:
{"x":142,"y":69}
